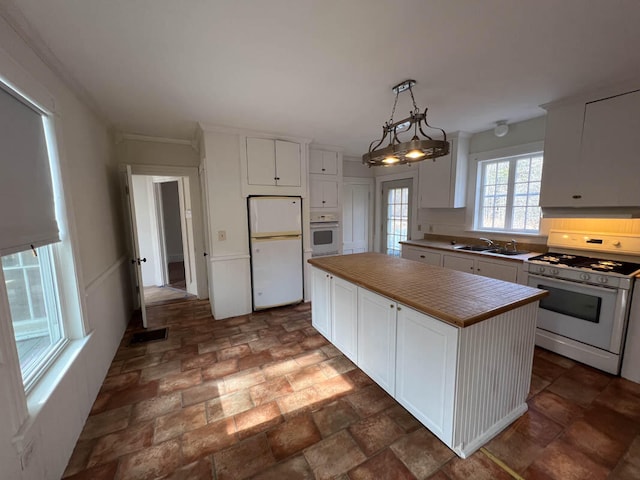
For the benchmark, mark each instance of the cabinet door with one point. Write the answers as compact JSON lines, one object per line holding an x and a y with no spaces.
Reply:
{"x":261,"y":162}
{"x":426,"y":370}
{"x":344,"y":317}
{"x":323,"y":163}
{"x":323,"y":193}
{"x":376,"y":338}
{"x":423,"y":255}
{"x":316,"y":195}
{"x":609,"y":167}
{"x":329,"y":163}
{"x":462,"y":263}
{"x":288,"y":165}
{"x":435,"y":183}
{"x":330,"y":194}
{"x":321,"y":301}
{"x":561,"y":155}
{"x":506,"y":271}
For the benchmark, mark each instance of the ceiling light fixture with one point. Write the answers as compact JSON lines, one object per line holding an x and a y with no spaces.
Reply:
{"x":414,"y":150}
{"x":501,"y":128}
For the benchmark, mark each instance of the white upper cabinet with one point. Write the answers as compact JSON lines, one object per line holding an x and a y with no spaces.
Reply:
{"x":273,"y":163}
{"x":322,"y":162}
{"x":325,"y":178}
{"x":443,"y":181}
{"x":590,"y":153}
{"x":288,"y":164}
{"x":323,"y":193}
{"x":609,"y":152}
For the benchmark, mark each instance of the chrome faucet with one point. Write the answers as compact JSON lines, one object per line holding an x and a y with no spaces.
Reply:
{"x":490,"y":243}
{"x":513,"y":244}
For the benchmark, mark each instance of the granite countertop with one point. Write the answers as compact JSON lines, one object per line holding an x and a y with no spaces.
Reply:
{"x":441,"y":245}
{"x":458,"y":298}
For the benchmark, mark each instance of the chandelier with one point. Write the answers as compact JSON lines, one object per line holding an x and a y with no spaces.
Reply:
{"x":413,"y":150}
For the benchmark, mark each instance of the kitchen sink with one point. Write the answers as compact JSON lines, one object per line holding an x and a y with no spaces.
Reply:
{"x":505,"y":251}
{"x":474,"y":248}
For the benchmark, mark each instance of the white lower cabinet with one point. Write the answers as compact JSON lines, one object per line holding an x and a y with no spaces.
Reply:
{"x":463,"y":384}
{"x":501,"y":270}
{"x":426,"y":370}
{"x":321,"y":301}
{"x":344,"y":317}
{"x":423,"y":255}
{"x":376,"y":338}
{"x":462,"y":263}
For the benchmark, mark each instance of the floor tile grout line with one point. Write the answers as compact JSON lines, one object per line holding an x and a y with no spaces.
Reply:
{"x":501,"y":464}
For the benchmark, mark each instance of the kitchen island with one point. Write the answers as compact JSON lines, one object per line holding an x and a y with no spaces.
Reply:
{"x":455,"y":349}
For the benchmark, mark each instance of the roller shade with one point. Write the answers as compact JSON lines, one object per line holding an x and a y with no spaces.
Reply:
{"x":27,"y":210}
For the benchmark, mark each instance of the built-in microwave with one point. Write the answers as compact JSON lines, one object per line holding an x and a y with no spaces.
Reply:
{"x":325,"y":234}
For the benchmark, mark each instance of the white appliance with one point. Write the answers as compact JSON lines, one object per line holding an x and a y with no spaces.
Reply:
{"x":325,"y":234}
{"x":585,"y":315}
{"x":275,"y":229}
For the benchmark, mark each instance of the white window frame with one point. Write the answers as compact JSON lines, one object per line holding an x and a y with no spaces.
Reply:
{"x":475,"y":182}
{"x":29,"y":393}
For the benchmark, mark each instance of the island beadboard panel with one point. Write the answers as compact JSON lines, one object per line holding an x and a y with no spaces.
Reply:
{"x":459,"y":298}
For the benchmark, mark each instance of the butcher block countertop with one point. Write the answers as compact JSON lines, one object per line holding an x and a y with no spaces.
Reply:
{"x":459,"y":298}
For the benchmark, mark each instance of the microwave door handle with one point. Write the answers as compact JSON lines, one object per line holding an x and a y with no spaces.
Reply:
{"x":574,"y":284}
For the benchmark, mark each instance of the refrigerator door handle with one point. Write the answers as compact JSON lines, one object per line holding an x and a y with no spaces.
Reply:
{"x":276,"y":237}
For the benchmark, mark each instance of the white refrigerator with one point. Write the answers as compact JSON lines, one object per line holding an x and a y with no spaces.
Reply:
{"x":275,"y":229}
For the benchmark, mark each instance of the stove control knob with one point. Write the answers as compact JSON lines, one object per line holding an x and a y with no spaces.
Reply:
{"x":555,"y":271}
{"x":541,"y":269}
{"x":585,"y":276}
{"x":602,"y":279}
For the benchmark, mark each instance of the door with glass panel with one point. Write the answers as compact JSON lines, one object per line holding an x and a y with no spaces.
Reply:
{"x":396,"y":211}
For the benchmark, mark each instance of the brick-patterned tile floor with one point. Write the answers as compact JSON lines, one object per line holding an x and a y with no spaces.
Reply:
{"x":265,"y":396}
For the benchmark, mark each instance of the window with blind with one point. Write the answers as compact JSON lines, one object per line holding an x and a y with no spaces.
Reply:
{"x":509,"y":194}
{"x":29,"y":236}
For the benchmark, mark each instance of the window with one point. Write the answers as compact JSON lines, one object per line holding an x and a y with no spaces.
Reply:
{"x":396,"y":196}
{"x":35,"y":314}
{"x":509,"y":194}
{"x":29,"y":237}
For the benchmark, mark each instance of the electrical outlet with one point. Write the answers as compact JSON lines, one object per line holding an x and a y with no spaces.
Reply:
{"x":222,"y":235}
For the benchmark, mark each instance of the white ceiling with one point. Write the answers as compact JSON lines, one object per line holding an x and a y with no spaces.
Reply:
{"x":323,"y":69}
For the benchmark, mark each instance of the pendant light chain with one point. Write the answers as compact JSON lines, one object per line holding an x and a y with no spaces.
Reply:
{"x":393,"y":111}
{"x":415,"y":107}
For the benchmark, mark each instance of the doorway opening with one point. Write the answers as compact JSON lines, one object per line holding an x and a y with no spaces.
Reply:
{"x":164,"y":243}
{"x":396,"y":208}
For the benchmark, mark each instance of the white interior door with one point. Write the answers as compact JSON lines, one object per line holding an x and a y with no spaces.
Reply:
{"x":135,"y":247}
{"x":355,"y":217}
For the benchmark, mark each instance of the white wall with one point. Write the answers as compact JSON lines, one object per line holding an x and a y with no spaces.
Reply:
{"x":155,"y":152}
{"x":229,"y":261}
{"x":353,"y":167}
{"x":172,"y":226}
{"x":94,"y":202}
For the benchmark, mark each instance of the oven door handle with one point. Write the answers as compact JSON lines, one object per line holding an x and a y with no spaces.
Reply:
{"x":611,"y":290}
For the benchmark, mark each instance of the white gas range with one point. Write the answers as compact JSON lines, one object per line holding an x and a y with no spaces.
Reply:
{"x":589,"y":277}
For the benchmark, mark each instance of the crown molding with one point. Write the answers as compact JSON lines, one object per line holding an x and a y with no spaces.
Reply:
{"x":122,"y":136}
{"x":29,"y":35}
